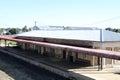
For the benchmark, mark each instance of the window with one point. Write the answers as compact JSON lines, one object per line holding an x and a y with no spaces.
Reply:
{"x":109,"y":48}
{"x":117,"y":49}
{"x":108,"y":61}
{"x":84,"y":56}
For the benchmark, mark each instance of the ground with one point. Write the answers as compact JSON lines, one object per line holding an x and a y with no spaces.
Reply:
{"x":14,"y":69}
{"x":89,"y":72}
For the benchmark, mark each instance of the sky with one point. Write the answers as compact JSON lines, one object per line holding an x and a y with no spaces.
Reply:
{"x":78,"y":13}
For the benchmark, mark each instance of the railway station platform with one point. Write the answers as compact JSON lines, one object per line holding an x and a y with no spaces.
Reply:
{"x":61,"y":67}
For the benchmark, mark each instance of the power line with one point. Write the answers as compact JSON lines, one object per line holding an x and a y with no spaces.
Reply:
{"x":106,"y":20}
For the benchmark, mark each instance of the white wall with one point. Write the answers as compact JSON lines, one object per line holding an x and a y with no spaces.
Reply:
{"x":104,"y":45}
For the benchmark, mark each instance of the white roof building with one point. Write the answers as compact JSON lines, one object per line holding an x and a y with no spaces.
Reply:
{"x":94,"y":39}
{"x":87,"y":35}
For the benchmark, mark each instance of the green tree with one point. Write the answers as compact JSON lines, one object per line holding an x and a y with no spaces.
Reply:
{"x":114,"y":30}
{"x":1,"y":30}
{"x":110,"y":29}
{"x":24,"y":29}
{"x":12,"y":31}
{"x":29,"y":29}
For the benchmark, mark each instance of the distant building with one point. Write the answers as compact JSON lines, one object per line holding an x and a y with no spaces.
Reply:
{"x":80,"y":28}
{"x":35,"y":27}
{"x":56,"y":27}
{"x":62,"y":28}
{"x":51,"y":27}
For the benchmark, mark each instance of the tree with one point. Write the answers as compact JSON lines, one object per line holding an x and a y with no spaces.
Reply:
{"x":29,"y":29}
{"x":24,"y":29}
{"x":114,"y":30}
{"x":1,"y":30}
{"x":12,"y":31}
{"x":110,"y":29}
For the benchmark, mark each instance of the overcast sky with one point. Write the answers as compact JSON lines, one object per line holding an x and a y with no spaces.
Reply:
{"x":93,"y":13}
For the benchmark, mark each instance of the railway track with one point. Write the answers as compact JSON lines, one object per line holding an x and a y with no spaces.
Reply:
{"x":20,"y":70}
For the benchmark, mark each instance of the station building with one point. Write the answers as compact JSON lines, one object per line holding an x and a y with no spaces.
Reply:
{"x":93,"y":39}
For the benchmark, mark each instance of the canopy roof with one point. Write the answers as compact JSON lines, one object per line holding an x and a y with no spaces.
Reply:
{"x":87,"y":35}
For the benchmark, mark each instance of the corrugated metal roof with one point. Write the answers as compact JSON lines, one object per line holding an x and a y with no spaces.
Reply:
{"x":89,"y":35}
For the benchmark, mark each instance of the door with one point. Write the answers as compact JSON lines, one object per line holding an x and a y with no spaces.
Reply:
{"x":64,"y":54}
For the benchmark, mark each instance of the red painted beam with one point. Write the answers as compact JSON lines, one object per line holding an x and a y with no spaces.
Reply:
{"x":93,"y":52}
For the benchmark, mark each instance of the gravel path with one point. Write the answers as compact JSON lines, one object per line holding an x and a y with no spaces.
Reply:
{"x":14,"y":69}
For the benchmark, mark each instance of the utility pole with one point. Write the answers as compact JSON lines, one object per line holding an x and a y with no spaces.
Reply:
{"x":100,"y":59}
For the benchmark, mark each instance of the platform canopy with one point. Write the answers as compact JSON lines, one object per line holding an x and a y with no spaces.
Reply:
{"x":84,"y":35}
